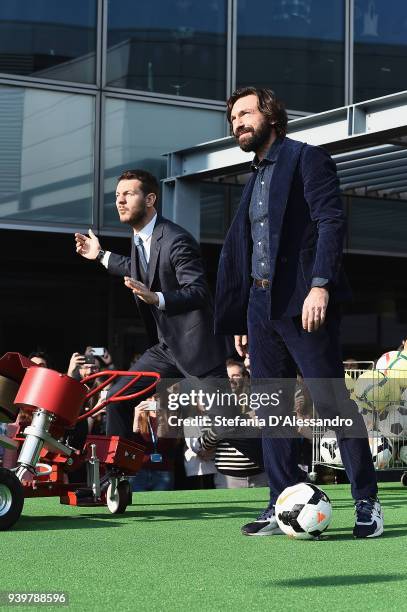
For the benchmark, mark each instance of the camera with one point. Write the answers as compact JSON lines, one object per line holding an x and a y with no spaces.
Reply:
{"x":152,"y":406}
{"x":98,"y":351}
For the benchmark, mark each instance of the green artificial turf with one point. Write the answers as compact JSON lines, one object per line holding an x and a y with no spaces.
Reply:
{"x":182,"y":550}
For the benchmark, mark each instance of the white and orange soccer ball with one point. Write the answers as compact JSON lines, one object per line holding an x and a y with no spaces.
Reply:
{"x":303,"y":511}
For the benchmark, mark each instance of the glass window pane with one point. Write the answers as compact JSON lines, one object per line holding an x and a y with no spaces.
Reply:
{"x":49,"y":39}
{"x":176,"y":47}
{"x":296,"y":47}
{"x":214,"y":211}
{"x":218,"y":205}
{"x":372,"y":225}
{"x":46,"y":156}
{"x":380,"y":48}
{"x":138,"y":134}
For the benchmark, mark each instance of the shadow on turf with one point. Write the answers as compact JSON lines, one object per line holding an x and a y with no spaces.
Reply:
{"x":53,"y":523}
{"x":176,"y":514}
{"x":140,"y":512}
{"x":202,"y":513}
{"x":262,"y":503}
{"x":333,"y":581}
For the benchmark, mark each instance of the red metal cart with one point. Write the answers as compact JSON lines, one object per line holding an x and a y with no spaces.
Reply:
{"x":53,"y":403}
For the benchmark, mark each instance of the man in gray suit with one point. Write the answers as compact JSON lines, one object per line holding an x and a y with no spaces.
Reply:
{"x":165,"y":272}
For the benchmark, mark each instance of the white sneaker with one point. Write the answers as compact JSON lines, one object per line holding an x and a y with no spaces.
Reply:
{"x":265,"y":525}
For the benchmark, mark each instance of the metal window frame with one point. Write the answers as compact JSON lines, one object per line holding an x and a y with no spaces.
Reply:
{"x":363,"y":131}
{"x":349,"y":50}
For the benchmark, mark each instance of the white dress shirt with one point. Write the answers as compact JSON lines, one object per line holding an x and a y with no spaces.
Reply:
{"x":145,"y":235}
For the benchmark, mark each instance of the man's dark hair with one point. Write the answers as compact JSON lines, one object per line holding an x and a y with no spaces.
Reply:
{"x":234,"y":362}
{"x":40,"y":354}
{"x":268,"y":104}
{"x":149,"y":183}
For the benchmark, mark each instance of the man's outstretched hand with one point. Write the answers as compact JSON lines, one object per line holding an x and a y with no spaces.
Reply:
{"x":87,"y":246}
{"x":143,"y":292}
{"x":314,"y":309}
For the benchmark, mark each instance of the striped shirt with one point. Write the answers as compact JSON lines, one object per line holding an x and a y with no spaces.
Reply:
{"x":230,"y":460}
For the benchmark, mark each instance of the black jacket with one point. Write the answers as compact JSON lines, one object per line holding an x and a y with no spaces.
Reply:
{"x":186,"y":325}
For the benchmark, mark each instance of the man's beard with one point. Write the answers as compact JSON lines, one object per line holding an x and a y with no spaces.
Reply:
{"x":257,"y":139}
{"x":136,"y":218}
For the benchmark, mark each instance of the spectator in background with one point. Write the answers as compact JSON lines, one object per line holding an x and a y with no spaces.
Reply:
{"x":239,"y":461}
{"x":350,"y":364}
{"x":200,"y":468}
{"x":40,"y":358}
{"x":199,"y":465}
{"x":80,"y":367}
{"x":105,"y":360}
{"x":238,"y":376}
{"x":150,"y":426}
{"x":403,"y":345}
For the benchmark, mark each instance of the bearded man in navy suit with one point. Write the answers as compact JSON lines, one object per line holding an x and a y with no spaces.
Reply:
{"x":279,"y":287}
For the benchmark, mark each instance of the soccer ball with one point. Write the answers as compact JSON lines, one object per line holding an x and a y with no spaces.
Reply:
{"x":393,"y":421}
{"x":385,"y":360}
{"x":403,"y":454}
{"x":372,"y":391}
{"x":381,"y":449}
{"x":397,"y":369}
{"x":303,"y":511}
{"x":329,"y":449}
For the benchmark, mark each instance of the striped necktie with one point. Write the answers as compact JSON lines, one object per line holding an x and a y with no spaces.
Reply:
{"x":141,"y":252}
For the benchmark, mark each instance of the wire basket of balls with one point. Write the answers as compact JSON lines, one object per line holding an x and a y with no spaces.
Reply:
{"x":380,"y":393}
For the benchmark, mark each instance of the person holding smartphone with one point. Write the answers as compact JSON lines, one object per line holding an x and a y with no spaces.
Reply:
{"x":157,"y":473}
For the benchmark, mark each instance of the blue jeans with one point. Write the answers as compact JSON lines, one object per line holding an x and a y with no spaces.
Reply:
{"x":152,"y":480}
{"x":277,"y":349}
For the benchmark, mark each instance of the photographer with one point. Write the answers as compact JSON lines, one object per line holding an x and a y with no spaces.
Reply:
{"x":150,"y":426}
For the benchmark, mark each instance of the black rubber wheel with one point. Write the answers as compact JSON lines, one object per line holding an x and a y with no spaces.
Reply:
{"x":11,"y":499}
{"x":403,"y":479}
{"x":119,"y":502}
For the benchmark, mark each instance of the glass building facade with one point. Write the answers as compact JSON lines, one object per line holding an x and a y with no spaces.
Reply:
{"x":89,"y":88}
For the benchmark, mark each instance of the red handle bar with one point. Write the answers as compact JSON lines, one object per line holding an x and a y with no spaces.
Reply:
{"x":116,"y":397}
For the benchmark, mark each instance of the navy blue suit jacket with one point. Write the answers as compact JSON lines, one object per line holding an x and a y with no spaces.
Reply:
{"x":307,"y":227}
{"x":186,"y":325}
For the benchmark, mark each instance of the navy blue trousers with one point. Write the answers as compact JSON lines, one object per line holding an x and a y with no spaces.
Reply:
{"x":280,"y":348}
